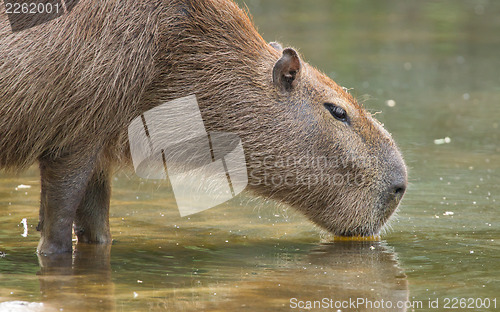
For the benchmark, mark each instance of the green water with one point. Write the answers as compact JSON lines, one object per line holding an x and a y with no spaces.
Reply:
{"x":437,"y":61}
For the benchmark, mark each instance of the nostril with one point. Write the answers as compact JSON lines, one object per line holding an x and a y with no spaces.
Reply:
{"x":400,"y":190}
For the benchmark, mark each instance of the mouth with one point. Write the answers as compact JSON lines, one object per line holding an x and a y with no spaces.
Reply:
{"x":367,"y":231}
{"x":370,"y":227}
{"x":389,"y":208}
{"x":362,"y":232}
{"x":371,"y":238}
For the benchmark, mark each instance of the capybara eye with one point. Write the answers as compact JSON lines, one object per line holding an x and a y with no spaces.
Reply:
{"x":338,"y":112}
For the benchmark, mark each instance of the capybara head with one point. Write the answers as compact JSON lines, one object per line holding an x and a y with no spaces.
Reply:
{"x":307,"y":141}
{"x":324,"y":153}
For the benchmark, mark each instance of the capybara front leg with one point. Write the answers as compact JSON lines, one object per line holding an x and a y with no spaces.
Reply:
{"x":63,"y":182}
{"x":92,"y":215}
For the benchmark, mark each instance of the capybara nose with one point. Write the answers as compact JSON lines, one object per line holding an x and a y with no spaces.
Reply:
{"x":396,"y":178}
{"x":398,"y":183}
{"x":394,"y":193}
{"x":398,"y":189}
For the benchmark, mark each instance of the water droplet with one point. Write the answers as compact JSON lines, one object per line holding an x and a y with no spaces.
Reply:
{"x":390,"y":103}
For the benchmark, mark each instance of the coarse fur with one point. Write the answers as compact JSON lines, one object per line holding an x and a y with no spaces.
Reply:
{"x":69,"y":88}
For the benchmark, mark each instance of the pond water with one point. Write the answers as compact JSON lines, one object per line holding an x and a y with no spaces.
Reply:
{"x":430,"y":68}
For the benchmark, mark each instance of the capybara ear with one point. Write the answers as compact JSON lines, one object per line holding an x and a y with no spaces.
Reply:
{"x":276,"y":45}
{"x":286,"y":70}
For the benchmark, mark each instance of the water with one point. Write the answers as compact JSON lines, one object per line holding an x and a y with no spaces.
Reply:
{"x":430,"y":68}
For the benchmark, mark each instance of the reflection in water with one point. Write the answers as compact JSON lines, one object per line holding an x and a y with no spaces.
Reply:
{"x":362,"y":270}
{"x":333,"y":274}
{"x":81,"y":281}
{"x":252,"y":277}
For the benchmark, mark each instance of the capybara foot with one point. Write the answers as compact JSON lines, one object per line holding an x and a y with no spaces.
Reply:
{"x":47,"y":247}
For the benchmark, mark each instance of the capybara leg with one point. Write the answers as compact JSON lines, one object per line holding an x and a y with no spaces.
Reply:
{"x":92,"y":215}
{"x":42,"y":206}
{"x":63,"y":182}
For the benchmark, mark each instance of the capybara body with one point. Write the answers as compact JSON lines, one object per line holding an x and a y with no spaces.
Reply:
{"x":70,"y":87}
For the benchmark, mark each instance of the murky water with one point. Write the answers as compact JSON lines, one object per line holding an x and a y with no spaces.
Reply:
{"x":431,"y":69}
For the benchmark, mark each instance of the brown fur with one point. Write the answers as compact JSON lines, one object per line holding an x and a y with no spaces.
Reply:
{"x":70,"y":87}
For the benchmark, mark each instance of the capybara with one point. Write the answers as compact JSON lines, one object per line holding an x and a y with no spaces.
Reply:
{"x":70,"y":87}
